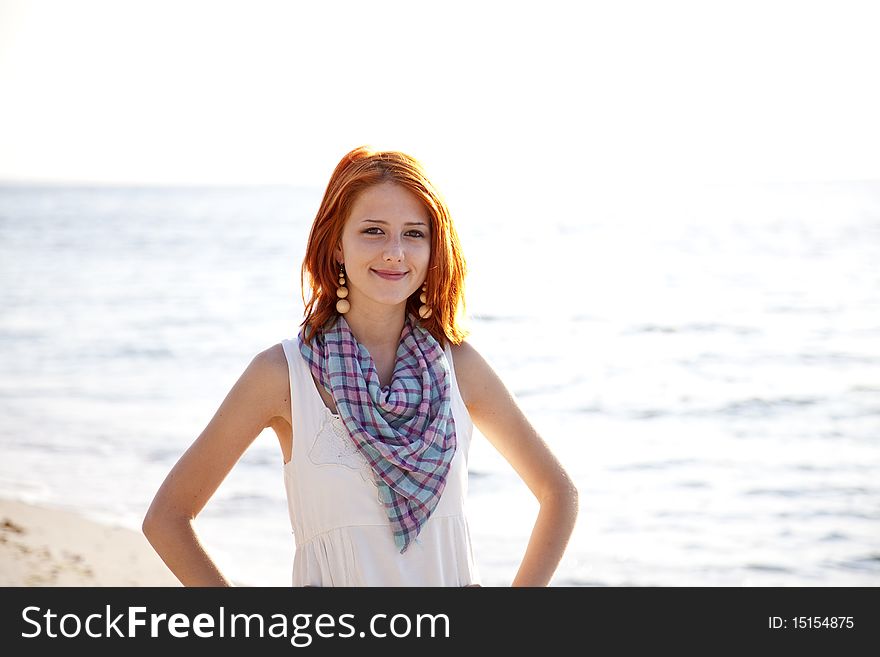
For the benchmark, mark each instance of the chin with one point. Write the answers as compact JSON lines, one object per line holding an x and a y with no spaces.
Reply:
{"x":391,"y":301}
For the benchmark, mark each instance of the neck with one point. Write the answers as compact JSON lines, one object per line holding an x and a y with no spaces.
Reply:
{"x":377,"y":328}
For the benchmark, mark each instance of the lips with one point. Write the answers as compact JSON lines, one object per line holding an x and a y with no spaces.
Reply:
{"x":389,"y":275}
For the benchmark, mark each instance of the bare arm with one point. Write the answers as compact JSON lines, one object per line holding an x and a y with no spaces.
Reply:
{"x":253,"y":401}
{"x":498,"y":417}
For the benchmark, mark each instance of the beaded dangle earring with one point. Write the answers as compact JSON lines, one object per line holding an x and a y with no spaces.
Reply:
{"x":424,"y":311}
{"x":343,"y":305}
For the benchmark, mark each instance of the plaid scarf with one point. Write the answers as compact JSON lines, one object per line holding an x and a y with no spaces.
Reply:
{"x":405,"y":430}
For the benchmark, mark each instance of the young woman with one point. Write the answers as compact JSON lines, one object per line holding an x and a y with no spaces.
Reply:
{"x":374,"y":404}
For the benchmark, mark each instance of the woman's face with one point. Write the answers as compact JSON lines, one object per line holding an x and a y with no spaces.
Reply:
{"x":385,"y":247}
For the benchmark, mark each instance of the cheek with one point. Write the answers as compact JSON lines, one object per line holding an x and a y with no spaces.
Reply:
{"x":359,"y":247}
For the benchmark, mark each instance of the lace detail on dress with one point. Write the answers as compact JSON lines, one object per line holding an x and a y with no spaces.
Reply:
{"x":333,"y":446}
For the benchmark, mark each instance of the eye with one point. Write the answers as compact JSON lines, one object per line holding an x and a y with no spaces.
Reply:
{"x":412,"y":233}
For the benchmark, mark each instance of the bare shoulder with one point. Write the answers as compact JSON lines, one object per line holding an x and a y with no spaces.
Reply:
{"x":497,"y":414}
{"x":268,"y":373}
{"x":474,"y":374}
{"x":273,"y":358}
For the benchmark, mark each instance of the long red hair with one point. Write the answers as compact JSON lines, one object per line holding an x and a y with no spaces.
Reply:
{"x":358,"y":170}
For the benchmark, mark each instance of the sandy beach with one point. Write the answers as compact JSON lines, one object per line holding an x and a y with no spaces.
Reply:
{"x":49,"y":547}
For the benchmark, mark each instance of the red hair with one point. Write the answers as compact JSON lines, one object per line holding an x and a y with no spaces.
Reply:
{"x":358,"y":170}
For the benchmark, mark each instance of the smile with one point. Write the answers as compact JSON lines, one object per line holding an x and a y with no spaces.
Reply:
{"x":389,"y":275}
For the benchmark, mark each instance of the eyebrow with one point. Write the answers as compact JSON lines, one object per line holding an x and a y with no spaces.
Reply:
{"x":385,"y":223}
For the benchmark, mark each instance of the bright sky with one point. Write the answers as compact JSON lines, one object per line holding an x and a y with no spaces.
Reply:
{"x":543,"y":93}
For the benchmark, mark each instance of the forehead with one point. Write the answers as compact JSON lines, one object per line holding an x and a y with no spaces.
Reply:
{"x":389,"y":202}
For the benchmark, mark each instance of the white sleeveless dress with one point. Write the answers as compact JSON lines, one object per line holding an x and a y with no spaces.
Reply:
{"x":342,"y":534}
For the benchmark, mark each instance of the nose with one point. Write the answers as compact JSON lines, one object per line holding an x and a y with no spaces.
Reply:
{"x":393,"y":250}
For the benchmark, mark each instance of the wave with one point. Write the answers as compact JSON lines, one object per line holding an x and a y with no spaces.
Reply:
{"x":694,"y":327}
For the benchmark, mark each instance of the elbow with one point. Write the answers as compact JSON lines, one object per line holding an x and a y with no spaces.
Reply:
{"x":152,"y":519}
{"x":157,"y":521}
{"x":564,"y":491}
{"x":150,"y":524}
{"x":566,"y":497}
{"x":570,"y":492}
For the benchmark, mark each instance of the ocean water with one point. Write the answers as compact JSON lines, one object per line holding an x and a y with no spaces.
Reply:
{"x":704,"y":361}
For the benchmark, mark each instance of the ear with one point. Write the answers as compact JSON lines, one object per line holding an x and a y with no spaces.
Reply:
{"x":337,"y":253}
